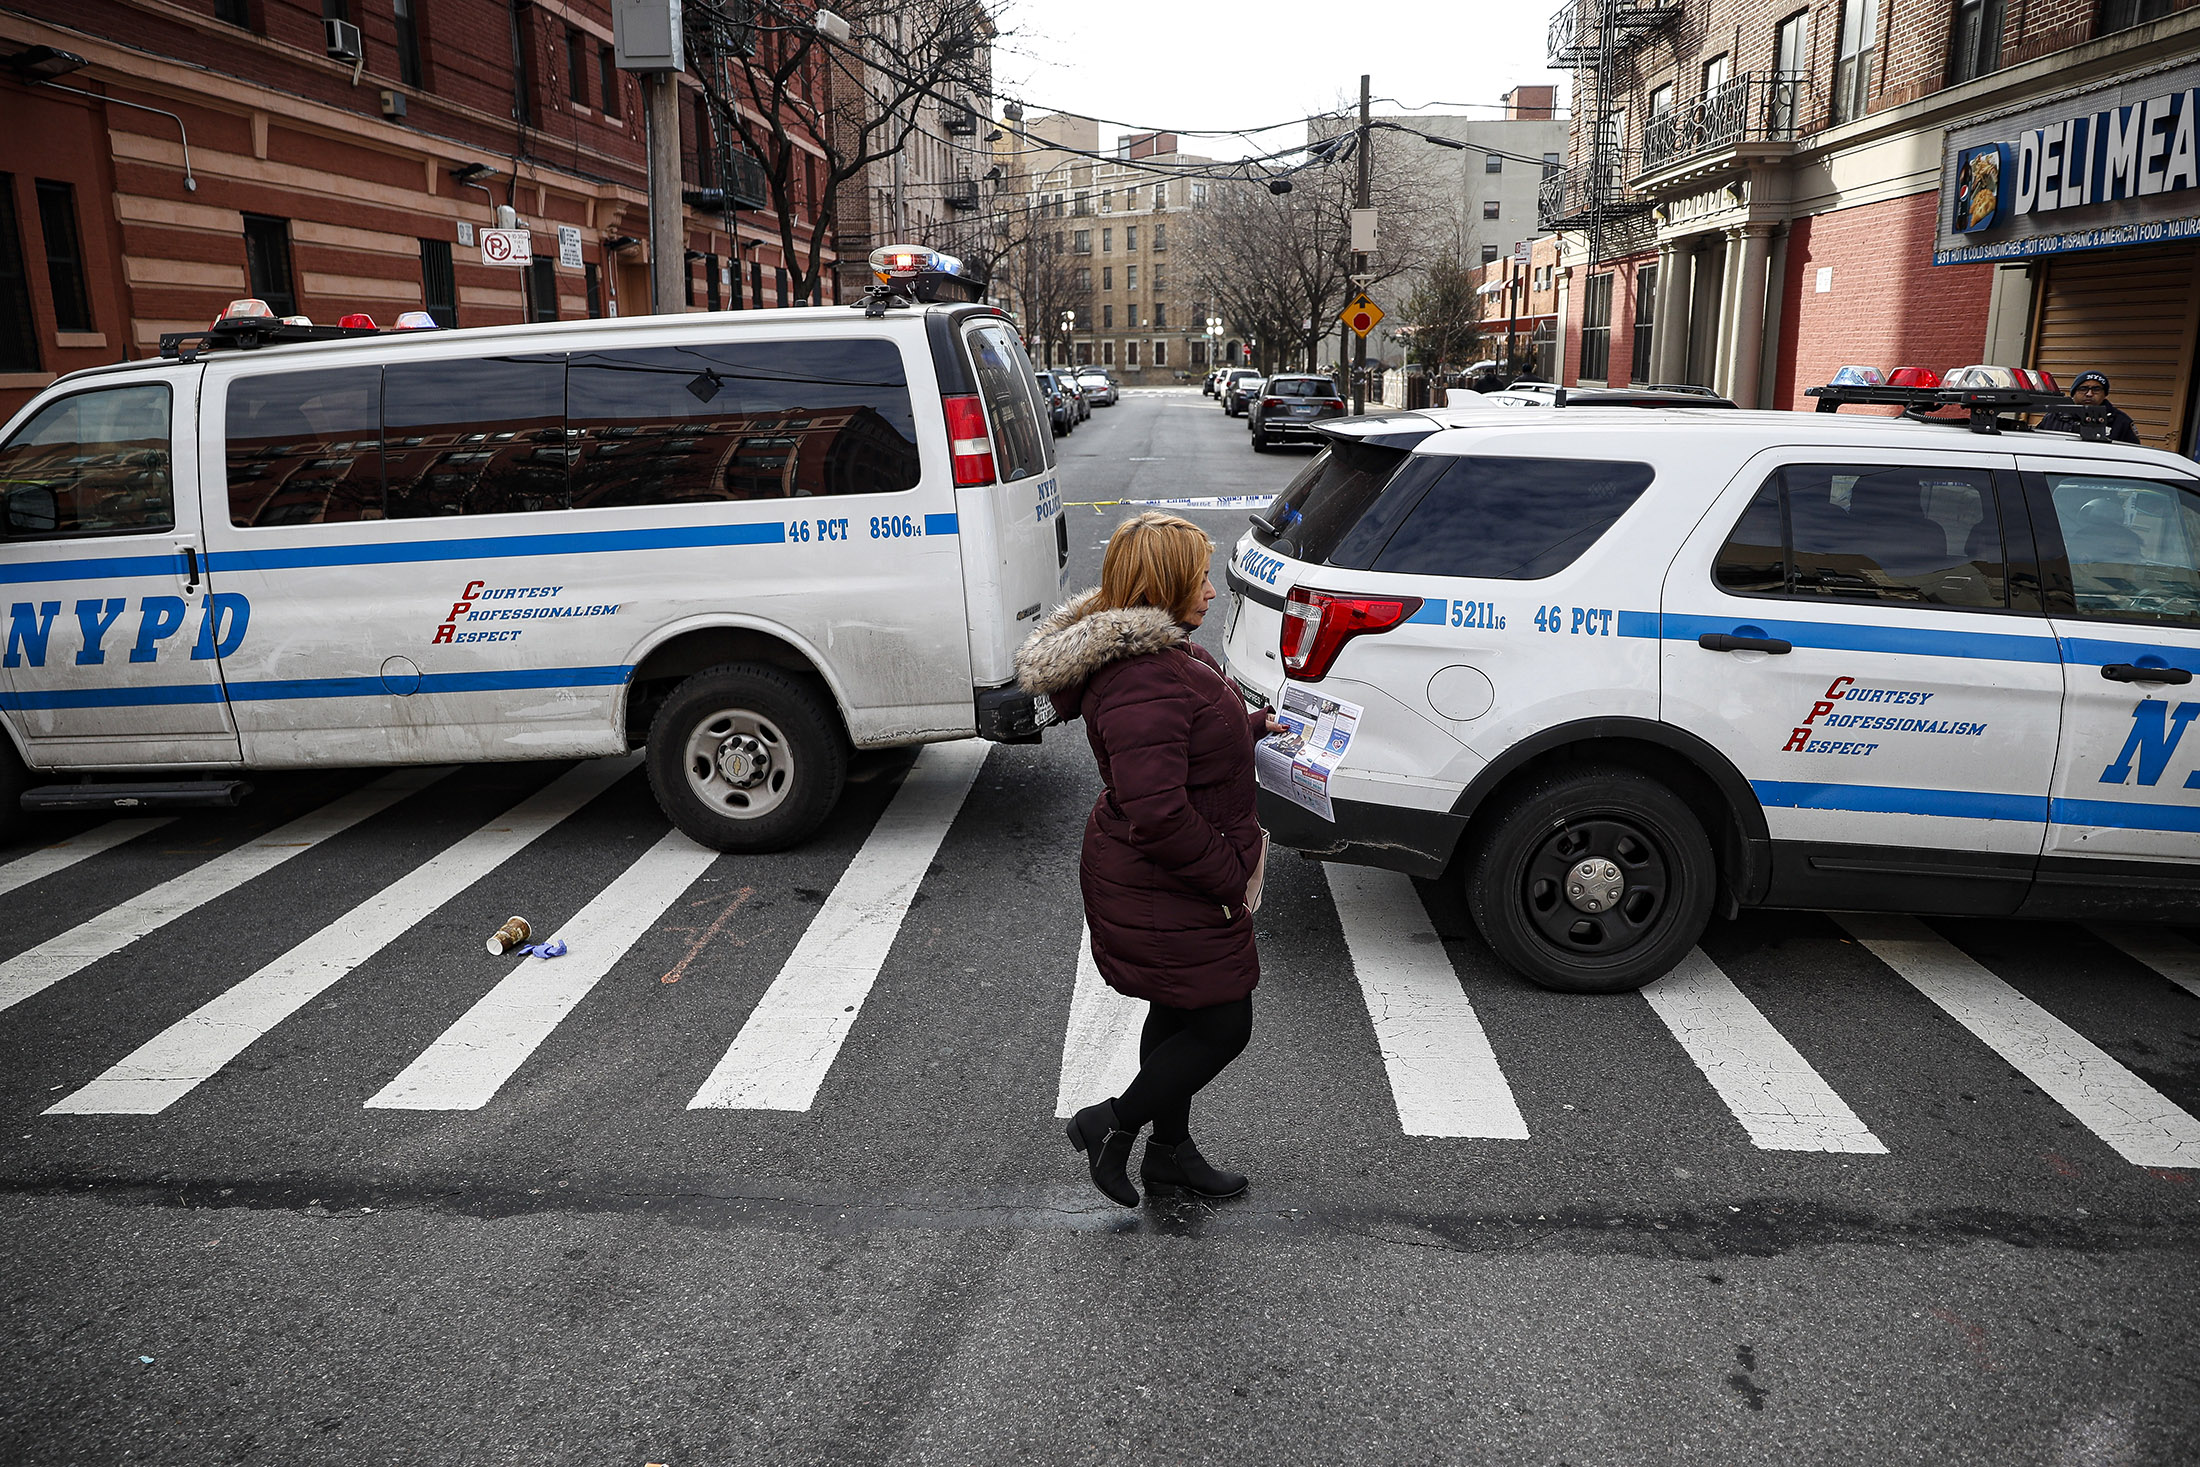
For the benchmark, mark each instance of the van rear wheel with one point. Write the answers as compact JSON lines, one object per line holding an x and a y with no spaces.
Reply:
{"x":745,"y":757}
{"x":1595,"y":880}
{"x":14,"y":779}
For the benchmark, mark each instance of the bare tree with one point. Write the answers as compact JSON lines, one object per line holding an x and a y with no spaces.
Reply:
{"x":815,"y":110}
{"x":1444,"y":314}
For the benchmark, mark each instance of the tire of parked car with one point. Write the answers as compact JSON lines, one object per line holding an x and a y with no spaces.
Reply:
{"x":746,"y":757}
{"x":1260,"y":443}
{"x":1591,"y":880}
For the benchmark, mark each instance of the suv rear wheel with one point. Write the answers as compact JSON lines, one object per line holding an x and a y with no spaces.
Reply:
{"x":1594,"y":880}
{"x":744,"y":757}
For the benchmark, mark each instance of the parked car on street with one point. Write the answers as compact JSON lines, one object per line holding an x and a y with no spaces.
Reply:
{"x":1617,"y":669}
{"x":1239,"y":389}
{"x":1061,"y":411}
{"x":1289,"y":405}
{"x":1100,"y":384}
{"x":1214,"y":380}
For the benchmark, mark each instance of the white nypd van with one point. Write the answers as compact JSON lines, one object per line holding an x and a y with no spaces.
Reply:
{"x":758,"y":542}
{"x":1623,"y":668}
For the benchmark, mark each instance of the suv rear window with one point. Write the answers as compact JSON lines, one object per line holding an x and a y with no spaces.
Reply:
{"x":1499,"y":519}
{"x":1302,"y":387}
{"x":1327,"y":499}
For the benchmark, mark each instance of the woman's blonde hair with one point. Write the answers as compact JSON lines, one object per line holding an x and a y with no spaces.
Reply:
{"x":1155,"y":559}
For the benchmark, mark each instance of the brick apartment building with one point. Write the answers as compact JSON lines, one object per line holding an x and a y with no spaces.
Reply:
{"x":1760,"y":191}
{"x":210,"y":149}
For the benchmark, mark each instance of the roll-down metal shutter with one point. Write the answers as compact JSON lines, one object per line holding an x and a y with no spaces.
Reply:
{"x":2134,"y":314}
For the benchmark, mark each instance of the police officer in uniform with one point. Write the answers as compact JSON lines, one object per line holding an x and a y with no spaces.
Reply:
{"x":2091,"y":390}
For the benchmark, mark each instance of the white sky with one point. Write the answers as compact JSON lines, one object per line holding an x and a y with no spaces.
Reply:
{"x":1184,"y":64}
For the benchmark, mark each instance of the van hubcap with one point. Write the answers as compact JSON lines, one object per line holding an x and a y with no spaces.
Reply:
{"x":739,"y":763}
{"x":1597,"y":886}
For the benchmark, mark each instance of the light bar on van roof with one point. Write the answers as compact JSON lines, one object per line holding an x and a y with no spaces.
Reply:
{"x":417,"y":321}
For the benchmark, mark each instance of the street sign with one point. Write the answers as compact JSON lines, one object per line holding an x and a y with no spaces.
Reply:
{"x":507,"y":247}
{"x":569,"y":247}
{"x":1361,"y":314}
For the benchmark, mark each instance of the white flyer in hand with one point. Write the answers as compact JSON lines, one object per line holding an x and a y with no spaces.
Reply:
{"x":1317,"y":734}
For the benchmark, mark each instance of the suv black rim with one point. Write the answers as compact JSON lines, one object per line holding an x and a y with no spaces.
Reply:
{"x":1597,"y":888}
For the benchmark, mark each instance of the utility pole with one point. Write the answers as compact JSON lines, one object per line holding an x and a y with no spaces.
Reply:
{"x":667,"y":236}
{"x":1359,"y":259}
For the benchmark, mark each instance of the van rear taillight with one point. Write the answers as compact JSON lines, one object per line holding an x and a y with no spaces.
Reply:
{"x":1317,"y":624}
{"x":967,"y":441}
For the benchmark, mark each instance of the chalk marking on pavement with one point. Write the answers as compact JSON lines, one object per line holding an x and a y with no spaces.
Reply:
{"x":63,"y":854}
{"x":2158,"y":948}
{"x":2134,"y":1118}
{"x":779,"y":1059}
{"x":32,"y":972}
{"x":1443,"y":1073}
{"x":470,"y":1062}
{"x":1782,"y":1102}
{"x":186,"y":1054}
{"x":1100,"y":1048}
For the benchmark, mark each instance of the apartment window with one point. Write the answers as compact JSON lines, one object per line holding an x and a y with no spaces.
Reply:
{"x":1107,"y":353}
{"x":542,"y":289}
{"x":408,"y":41}
{"x":18,"y":333}
{"x":1082,"y":206}
{"x":1199,"y":353}
{"x":1646,"y":308}
{"x":779,"y":280}
{"x":1160,"y":351}
{"x":1160,"y":321}
{"x":1199,"y":196}
{"x":1199,"y":315}
{"x":706,"y":154}
{"x":1489,"y":254}
{"x":336,"y":10}
{"x":1852,"y":74}
{"x":1130,"y":314}
{"x":1107,"y":201}
{"x":687,"y":280}
{"x":1107,"y":318}
{"x":1160,"y":238}
{"x":607,"y":80}
{"x":1491,"y":163}
{"x":1107,"y":277}
{"x":1551,"y":164}
{"x":1084,"y":277}
{"x":576,"y":66}
{"x":1661,"y":99}
{"x":438,"y":284}
{"x":1130,"y":237}
{"x":1596,"y":328}
{"x":1715,"y":73}
{"x":1489,"y":208}
{"x":2122,"y":15}
{"x":1130,"y":353}
{"x":72,"y":302}
{"x":267,"y":262}
{"x":1974,"y":40}
{"x":1791,"y":60}
{"x":1159,"y":282}
{"x":711,"y":277}
{"x":1107,"y":241}
{"x":1080,"y":240}
{"x":1130,"y":277}
{"x":1160,"y":200}
{"x":236,"y":12}
{"x":592,"y":284}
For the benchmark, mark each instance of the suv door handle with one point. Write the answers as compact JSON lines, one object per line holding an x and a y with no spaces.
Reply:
{"x":2125,"y":672}
{"x":1723,"y":642}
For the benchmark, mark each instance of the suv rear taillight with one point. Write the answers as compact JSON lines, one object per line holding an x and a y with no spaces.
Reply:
{"x":967,"y":441}
{"x":1317,"y":624}
{"x":1273,"y":402}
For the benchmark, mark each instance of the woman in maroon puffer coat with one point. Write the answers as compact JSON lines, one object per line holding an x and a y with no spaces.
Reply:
{"x":1172,"y":841}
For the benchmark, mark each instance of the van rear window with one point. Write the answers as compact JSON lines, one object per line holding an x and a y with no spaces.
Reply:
{"x":1500,"y":519}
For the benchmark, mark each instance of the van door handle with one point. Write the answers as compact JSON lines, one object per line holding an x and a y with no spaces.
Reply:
{"x":190,"y":568}
{"x":1723,"y":642}
{"x":2125,"y":672}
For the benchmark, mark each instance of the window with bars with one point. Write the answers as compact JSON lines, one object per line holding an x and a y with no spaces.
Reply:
{"x":72,"y":301}
{"x":1596,"y":328}
{"x":438,"y":282}
{"x":542,"y":289}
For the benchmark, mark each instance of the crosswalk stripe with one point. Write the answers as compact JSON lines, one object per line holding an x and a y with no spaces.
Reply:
{"x":1100,"y":1048}
{"x":1782,"y":1102}
{"x":63,"y":854}
{"x":1443,"y":1073}
{"x":464,"y":1069}
{"x":2135,"y":1119}
{"x":192,"y":1050}
{"x":33,"y":972}
{"x":2157,"y":947}
{"x":779,"y":1059}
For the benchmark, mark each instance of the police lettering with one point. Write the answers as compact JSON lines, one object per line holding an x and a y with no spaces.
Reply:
{"x":223,"y":618}
{"x":2156,"y":730}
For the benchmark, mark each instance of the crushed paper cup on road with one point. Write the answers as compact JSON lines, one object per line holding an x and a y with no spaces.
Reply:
{"x":512,"y":934}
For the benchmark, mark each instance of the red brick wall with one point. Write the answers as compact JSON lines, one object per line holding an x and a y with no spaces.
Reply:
{"x":1889,"y":306}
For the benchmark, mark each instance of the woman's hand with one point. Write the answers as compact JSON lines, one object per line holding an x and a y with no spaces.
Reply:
{"x":1275,"y":724}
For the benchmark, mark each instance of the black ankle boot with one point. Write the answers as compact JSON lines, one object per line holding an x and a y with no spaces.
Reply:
{"x":1181,"y":1165}
{"x":1098,"y":1133}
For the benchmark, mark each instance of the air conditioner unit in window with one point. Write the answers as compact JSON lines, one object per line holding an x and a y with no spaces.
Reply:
{"x":343,"y":40}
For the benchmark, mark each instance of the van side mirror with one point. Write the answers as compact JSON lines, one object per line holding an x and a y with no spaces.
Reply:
{"x":32,"y":510}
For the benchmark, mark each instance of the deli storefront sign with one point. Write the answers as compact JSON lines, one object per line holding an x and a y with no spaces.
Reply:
{"x":2119,"y":166}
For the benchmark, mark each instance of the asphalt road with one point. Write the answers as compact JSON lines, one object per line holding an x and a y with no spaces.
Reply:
{"x":272,"y":1260}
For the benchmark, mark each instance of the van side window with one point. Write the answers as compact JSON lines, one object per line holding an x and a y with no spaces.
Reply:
{"x":1919,"y":536}
{"x":479,"y":436}
{"x":2133,"y":547}
{"x":1010,"y":389}
{"x":94,"y":463}
{"x":305,"y":448}
{"x":678,"y":425}
{"x":1512,"y":519}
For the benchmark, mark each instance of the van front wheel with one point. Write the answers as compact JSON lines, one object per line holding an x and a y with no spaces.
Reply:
{"x":744,"y":757}
{"x":1597,"y":880}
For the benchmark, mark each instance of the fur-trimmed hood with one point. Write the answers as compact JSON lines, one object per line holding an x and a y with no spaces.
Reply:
{"x":1077,"y":640}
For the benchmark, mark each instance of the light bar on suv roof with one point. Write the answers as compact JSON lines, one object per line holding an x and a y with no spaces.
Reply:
{"x":1984,"y":406}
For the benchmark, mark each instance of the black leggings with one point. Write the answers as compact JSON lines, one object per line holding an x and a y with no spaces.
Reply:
{"x":1179,"y":1051}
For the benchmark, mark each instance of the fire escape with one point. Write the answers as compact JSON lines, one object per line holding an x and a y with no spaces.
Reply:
{"x":1589,"y":196}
